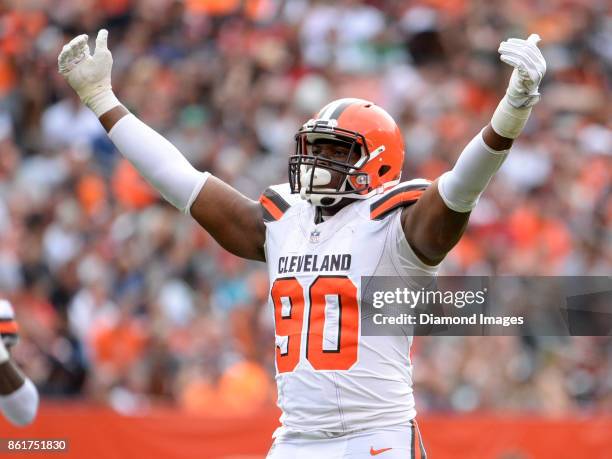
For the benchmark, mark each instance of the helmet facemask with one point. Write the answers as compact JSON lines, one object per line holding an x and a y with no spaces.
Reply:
{"x":309,"y":173}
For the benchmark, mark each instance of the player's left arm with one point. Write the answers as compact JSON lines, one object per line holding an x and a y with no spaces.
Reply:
{"x":435,"y":223}
{"x":18,"y":395}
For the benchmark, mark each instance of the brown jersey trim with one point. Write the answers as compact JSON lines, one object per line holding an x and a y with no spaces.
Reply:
{"x":273,"y":204}
{"x":402,"y":197}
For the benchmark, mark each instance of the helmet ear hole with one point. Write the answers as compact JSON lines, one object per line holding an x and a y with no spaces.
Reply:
{"x":383,"y":170}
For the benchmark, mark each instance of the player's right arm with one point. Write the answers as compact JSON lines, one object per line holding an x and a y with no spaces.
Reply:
{"x":235,"y":221}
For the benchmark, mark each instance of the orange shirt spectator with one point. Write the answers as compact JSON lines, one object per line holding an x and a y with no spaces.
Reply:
{"x":118,"y":346}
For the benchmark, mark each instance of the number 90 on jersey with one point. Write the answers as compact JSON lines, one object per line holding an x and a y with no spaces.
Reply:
{"x":331,"y":326}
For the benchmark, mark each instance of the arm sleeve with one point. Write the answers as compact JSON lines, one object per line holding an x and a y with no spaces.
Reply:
{"x":159,"y":162}
{"x":461,"y":187}
{"x":21,"y":406}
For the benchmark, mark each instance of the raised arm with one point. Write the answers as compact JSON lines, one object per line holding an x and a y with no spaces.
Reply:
{"x":435,"y":223}
{"x":235,"y":221}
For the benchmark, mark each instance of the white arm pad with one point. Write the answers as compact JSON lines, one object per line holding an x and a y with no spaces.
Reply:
{"x":21,"y":406}
{"x":461,"y":187}
{"x":159,"y":162}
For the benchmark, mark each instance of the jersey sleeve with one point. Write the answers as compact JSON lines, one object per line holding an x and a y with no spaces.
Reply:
{"x":389,"y":206}
{"x":402,"y":195}
{"x":276,"y":201}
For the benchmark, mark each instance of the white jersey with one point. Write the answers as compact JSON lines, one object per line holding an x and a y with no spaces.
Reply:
{"x":329,"y":377}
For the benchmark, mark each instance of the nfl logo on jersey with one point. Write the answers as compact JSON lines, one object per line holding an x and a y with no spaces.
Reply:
{"x":314,"y":236}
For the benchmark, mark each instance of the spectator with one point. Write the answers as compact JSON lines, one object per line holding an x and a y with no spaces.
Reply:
{"x":122,"y":300}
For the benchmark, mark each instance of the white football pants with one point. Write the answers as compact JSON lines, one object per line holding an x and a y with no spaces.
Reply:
{"x":398,"y":442}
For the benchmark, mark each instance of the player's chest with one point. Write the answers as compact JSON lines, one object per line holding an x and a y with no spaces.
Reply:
{"x":315,"y":280}
{"x":309,"y":250}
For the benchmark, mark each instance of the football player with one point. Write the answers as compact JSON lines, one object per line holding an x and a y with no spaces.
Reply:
{"x":18,"y":395}
{"x":342,"y":215}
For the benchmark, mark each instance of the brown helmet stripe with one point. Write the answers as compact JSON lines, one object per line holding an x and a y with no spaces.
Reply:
{"x":340,"y":108}
{"x":334,"y":109}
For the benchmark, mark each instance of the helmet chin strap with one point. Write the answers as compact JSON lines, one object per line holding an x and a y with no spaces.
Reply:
{"x":322,"y":200}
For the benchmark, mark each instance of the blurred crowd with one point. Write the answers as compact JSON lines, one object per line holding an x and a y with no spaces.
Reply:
{"x":123,"y":300}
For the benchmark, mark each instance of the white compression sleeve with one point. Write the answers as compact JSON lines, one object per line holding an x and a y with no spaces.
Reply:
{"x":160,"y":163}
{"x":461,"y":187}
{"x":21,"y":406}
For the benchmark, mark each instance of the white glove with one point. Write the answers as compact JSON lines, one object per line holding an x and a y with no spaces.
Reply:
{"x":529,"y":65}
{"x":89,"y":76}
{"x":529,"y":69}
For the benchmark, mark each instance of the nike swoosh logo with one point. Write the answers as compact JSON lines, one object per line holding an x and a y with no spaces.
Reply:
{"x":376,"y":452}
